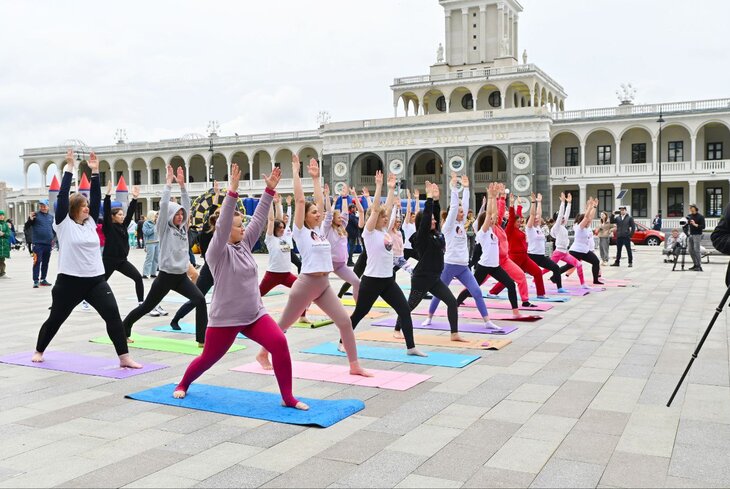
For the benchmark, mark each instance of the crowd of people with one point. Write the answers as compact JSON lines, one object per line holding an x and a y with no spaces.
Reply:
{"x":506,"y":239}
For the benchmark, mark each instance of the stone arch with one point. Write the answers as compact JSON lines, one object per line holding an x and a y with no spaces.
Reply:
{"x":600,"y":137}
{"x":139,"y":165}
{"x":426,"y":164}
{"x":197,"y":169}
{"x":487,"y":162}
{"x":283,"y":156}
{"x":636,"y":134}
{"x":431,"y":104}
{"x":409,"y":100}
{"x":461,"y":100}
{"x":219,"y":167}
{"x":261,"y":163}
{"x":306,"y":153}
{"x":489,"y":97}
{"x":559,"y":142}
{"x":47,"y":176}
{"x":241,"y":159}
{"x":121,"y":168}
{"x":712,"y":132}
{"x":517,"y":93}
{"x":30,"y":174}
{"x":364,"y":167}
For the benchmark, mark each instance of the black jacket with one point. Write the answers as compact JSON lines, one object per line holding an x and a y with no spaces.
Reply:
{"x":625,"y":227}
{"x":430,"y":245}
{"x":116,"y":246}
{"x":699,"y":219}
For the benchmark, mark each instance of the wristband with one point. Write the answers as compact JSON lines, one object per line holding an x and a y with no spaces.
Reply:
{"x":233,"y":194}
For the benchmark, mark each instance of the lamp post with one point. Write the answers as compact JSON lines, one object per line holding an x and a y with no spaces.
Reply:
{"x":213,"y":127}
{"x":660,"y":121}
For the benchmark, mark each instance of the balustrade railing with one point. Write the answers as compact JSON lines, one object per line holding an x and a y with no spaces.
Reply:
{"x":629,"y":110}
{"x":600,"y":169}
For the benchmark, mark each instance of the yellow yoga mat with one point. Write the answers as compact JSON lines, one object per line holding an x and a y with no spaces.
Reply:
{"x":370,"y":315}
{"x":433,"y":340}
{"x":378,"y":304}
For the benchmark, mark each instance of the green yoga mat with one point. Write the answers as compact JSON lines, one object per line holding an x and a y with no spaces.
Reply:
{"x":318,"y":323}
{"x":186,"y":347}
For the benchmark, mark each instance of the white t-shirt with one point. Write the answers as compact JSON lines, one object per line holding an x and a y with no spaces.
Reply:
{"x":315,"y":250}
{"x":535,"y":240}
{"x":490,"y":248}
{"x":583,"y":242}
{"x":78,"y":248}
{"x":279,"y":253}
{"x":339,"y":246}
{"x":380,"y":253}
{"x":408,"y":230}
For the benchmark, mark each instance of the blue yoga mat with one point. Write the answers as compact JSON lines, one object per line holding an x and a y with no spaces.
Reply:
{"x":185,"y":328}
{"x":503,"y":296}
{"x":252,"y":404}
{"x":436,"y":359}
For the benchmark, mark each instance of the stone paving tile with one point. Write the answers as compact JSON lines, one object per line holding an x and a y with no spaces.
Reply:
{"x":632,"y":470}
{"x":571,"y":399}
{"x":426,"y":440}
{"x":315,"y":472}
{"x":512,"y":411}
{"x":494,"y":477}
{"x":606,"y":422}
{"x":533,"y":393}
{"x":358,"y":447}
{"x":703,"y":434}
{"x":238,"y":476}
{"x":568,"y":473}
{"x":588,"y":447}
{"x":523,"y":455}
{"x":705,"y":464}
{"x":651,"y":430}
{"x":386,"y":469}
{"x":414,"y":480}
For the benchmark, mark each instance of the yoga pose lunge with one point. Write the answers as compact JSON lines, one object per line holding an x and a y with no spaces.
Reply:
{"x":334,"y":229}
{"x":562,"y":239}
{"x":116,"y":242}
{"x":80,"y":267}
{"x":234,"y":268}
{"x":584,"y":244}
{"x":378,"y":279}
{"x":456,"y":260}
{"x":488,"y":261}
{"x":409,"y":225}
{"x":362,"y":259}
{"x":400,"y":262}
{"x":536,"y":243}
{"x":172,"y":226}
{"x":312,"y":285}
{"x":430,"y":245}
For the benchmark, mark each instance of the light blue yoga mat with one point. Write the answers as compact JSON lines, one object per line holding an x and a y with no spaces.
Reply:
{"x":252,"y":404}
{"x":435,"y":359}
{"x":185,"y":328}
{"x":504,"y":297}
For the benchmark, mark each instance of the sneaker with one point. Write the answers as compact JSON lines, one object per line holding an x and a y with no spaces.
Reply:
{"x":428,"y":297}
{"x":145,"y":276}
{"x":563,"y":291}
{"x":615,"y":264}
{"x":35,"y":284}
{"x":597,"y":282}
{"x":154,"y":313}
{"x":85,"y":306}
{"x":528,"y":304}
{"x":161,"y":311}
{"x":304,"y":320}
{"x":630,"y":265}
{"x":45,"y":283}
{"x":427,"y":321}
{"x":175,"y":325}
{"x":153,"y":276}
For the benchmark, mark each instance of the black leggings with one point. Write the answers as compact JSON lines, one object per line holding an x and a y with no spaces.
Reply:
{"x":67,"y":293}
{"x":547,"y":263}
{"x":164,"y":283}
{"x":370,"y":289}
{"x":420,"y":287}
{"x":296,"y":261}
{"x":128,"y":270}
{"x":481,"y":273}
{"x":591,"y":258}
{"x":204,"y":284}
{"x":359,"y":269}
{"x":476,"y":254}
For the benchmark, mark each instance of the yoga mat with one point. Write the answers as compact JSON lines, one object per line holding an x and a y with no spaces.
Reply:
{"x":432,"y":340}
{"x":316,"y":323}
{"x":475,"y":315}
{"x":80,"y":364}
{"x":185,"y":328}
{"x":503,"y":296}
{"x":319,"y":312}
{"x":340,"y":374}
{"x":274,"y":292}
{"x":164,"y":344}
{"x":436,"y":359}
{"x":463,"y":327}
{"x":251,"y":404}
{"x":504,"y":305}
{"x":378,"y":304}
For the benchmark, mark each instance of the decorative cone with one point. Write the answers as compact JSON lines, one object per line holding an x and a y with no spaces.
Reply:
{"x":53,"y":195}
{"x":84,"y":186}
{"x":122,"y":194}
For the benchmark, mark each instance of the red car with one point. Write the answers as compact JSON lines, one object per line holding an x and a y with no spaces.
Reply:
{"x":643,"y":235}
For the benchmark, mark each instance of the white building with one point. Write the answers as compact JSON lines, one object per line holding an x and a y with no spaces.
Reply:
{"x":482,"y":109}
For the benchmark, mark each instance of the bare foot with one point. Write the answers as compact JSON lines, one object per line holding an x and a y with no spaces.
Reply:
{"x":201,"y":345}
{"x":130,"y":340}
{"x":516,"y":313}
{"x":356,"y":369}
{"x":299,"y":405}
{"x":415,"y":352}
{"x":179,"y":394}
{"x":263,"y":359}
{"x":125,"y":361}
{"x":398,"y":335}
{"x":37,"y":357}
{"x":457,"y":337}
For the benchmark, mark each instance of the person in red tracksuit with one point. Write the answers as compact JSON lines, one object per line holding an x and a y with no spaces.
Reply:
{"x":518,"y":251}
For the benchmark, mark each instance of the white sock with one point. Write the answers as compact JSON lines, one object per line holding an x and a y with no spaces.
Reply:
{"x":490,"y":325}
{"x":341,"y":348}
{"x":427,"y":321}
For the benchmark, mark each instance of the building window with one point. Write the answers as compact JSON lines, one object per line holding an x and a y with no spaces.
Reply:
{"x":441,"y":104}
{"x":638,"y":153}
{"x":485,"y":165}
{"x":604,"y":155}
{"x":137,"y":176}
{"x":155,"y":177}
{"x":714,"y":151}
{"x":574,"y":209}
{"x":675,"y":202}
{"x":156,"y":205}
{"x":713,"y":202}
{"x":605,"y":201}
{"x":495,"y":99}
{"x":676,"y":151}
{"x":571,"y":157}
{"x":467,"y":101}
{"x":639,"y":202}
{"x":102,"y":178}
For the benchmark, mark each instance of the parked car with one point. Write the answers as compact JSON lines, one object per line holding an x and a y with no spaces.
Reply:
{"x":644,"y":236}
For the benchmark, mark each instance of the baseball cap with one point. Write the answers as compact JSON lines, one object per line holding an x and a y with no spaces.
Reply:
{"x":43,"y":202}
{"x":622,"y":207}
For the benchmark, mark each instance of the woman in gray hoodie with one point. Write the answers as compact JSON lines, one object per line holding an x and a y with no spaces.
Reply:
{"x":172,"y":228}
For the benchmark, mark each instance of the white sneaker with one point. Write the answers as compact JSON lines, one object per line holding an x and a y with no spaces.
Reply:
{"x":154,"y":313}
{"x":161,"y":311}
{"x":85,"y":306}
{"x":426,"y":322}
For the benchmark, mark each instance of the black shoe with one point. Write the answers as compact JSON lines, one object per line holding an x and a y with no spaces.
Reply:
{"x":428,"y":296}
{"x":174,"y":325}
{"x":153,"y":276}
{"x":528,"y":304}
{"x":630,"y":265}
{"x":692,"y":269}
{"x":350,"y":264}
{"x":597,"y":282}
{"x":614,"y":264}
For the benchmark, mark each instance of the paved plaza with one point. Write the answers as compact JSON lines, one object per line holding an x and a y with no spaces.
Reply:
{"x":577,"y":400}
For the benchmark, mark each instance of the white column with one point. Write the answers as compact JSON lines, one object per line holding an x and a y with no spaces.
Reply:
{"x":25,"y":178}
{"x":618,"y":156}
{"x":465,"y":33}
{"x":582,"y":158}
{"x":616,"y":190}
{"x":509,"y":30}
{"x":515,"y":44}
{"x":475,"y":103}
{"x":250,"y":174}
{"x":187,"y":172}
{"x":692,"y":194}
{"x":448,"y":43}
{"x":655,"y":156}
{"x":582,"y":197}
{"x":693,"y":155}
{"x":149,"y":180}
{"x":654,"y":198}
{"x":500,"y":27}
{"x":395,"y":109}
{"x":482,"y":34}
{"x":149,"y":204}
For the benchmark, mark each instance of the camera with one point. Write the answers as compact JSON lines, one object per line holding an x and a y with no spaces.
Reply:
{"x":683,"y":222}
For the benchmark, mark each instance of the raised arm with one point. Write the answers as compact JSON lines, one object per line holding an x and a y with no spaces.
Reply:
{"x":184,"y":197}
{"x":132,"y":208}
{"x":533,"y":210}
{"x":465,"y":195}
{"x":591,"y":207}
{"x":453,"y":205}
{"x":390,"y":200}
{"x":298,"y":193}
{"x":424,"y":228}
{"x":62,"y":200}
{"x":225,"y":220}
{"x":407,"y":217}
{"x":289,"y":210}
{"x":327,"y":223}
{"x":270,"y":223}
{"x":107,"y":220}
{"x":256,"y":225}
{"x":313,"y":170}
{"x":95,"y":193}
{"x":491,"y":210}
{"x":375,"y":212}
{"x":360,"y":210}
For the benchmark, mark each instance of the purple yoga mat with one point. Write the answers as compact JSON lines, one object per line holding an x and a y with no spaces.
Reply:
{"x":79,"y":364}
{"x":542,"y":306}
{"x":463,"y":327}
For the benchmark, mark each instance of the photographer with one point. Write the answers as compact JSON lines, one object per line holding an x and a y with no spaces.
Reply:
{"x":625,"y":229}
{"x":696,"y":224}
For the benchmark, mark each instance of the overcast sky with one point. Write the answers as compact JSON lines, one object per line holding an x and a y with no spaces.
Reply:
{"x":160,"y":69}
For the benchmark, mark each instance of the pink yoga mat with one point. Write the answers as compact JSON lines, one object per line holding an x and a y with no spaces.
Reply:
{"x":506,"y":305}
{"x":80,"y":364}
{"x":340,"y":374}
{"x":441,"y":326}
{"x":476,"y":315}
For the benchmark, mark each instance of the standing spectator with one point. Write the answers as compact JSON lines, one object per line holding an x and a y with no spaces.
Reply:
{"x":193,"y":233}
{"x":656,"y":224}
{"x":353,"y":232}
{"x":41,"y":223}
{"x":152,"y":245}
{"x":140,"y":234}
{"x":696,"y":224}
{"x":28,"y":236}
{"x":605,"y":229}
{"x":13,"y":241}
{"x":4,"y":243}
{"x":625,"y":229}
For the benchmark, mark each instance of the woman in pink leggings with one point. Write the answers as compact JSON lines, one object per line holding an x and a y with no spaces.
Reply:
{"x":562,"y":241}
{"x":313,"y":283}
{"x":234,"y":268}
{"x":334,"y":230}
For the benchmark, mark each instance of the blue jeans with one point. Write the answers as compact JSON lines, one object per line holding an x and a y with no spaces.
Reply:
{"x":152,"y":259}
{"x":41,"y":257}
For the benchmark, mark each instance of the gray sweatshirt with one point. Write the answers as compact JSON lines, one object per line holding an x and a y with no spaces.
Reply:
{"x":174,"y":257}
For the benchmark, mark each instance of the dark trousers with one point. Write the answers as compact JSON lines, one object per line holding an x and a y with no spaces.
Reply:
{"x":296,"y":261}
{"x":140,"y":242}
{"x":128,"y":270}
{"x":41,"y":257}
{"x":589,"y":257}
{"x":164,"y":283}
{"x":29,"y":244}
{"x":351,"y":244}
{"x":359,"y":269}
{"x":204,"y":284}
{"x":621,"y":242}
{"x":481,"y":273}
{"x":420,"y":286}
{"x":370,"y":289}
{"x":475,"y":256}
{"x":548,"y":264}
{"x":67,"y":293}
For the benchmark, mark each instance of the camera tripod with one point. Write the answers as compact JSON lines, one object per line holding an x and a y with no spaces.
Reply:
{"x":702,"y":342}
